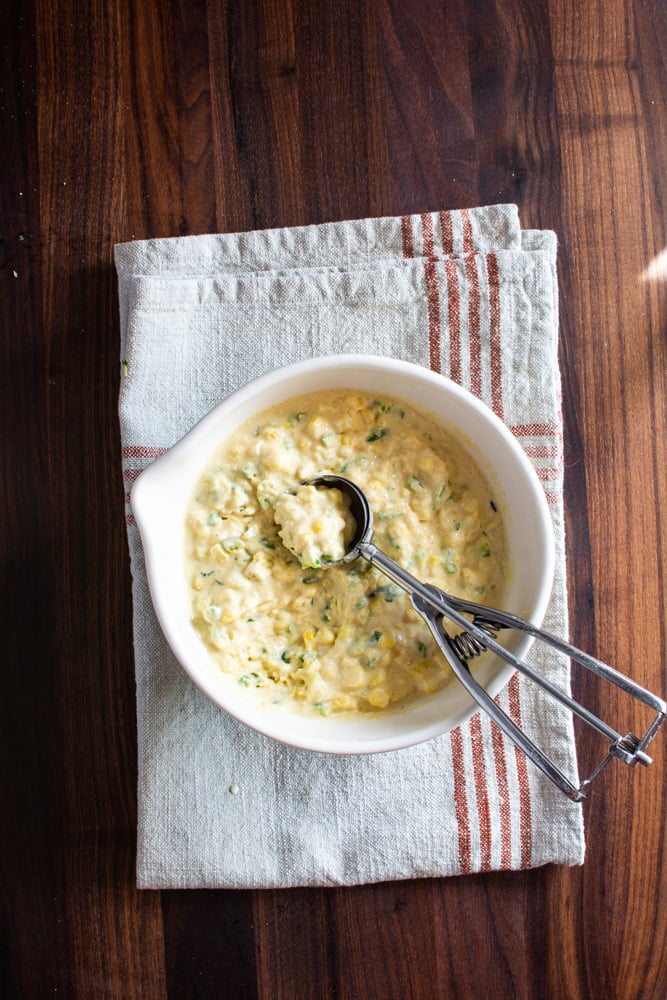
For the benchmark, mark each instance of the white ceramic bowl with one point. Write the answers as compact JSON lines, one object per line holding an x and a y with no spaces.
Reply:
{"x":163,"y":491}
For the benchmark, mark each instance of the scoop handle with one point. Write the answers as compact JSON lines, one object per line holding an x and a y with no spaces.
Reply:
{"x":433,"y":605}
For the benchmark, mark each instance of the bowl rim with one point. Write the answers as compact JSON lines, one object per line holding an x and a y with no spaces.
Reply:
{"x":148,"y":484}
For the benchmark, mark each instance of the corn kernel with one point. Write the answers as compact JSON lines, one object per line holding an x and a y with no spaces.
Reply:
{"x":299,"y":603}
{"x":351,"y":674}
{"x":343,"y":702}
{"x":379,"y":699}
{"x":317,"y":427}
{"x":354,"y":402}
{"x":430,"y":686}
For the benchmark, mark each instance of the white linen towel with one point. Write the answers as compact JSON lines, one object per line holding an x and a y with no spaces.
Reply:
{"x":467,"y":293}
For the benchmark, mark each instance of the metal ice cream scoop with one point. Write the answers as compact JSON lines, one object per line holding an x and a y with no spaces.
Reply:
{"x":479,"y":633}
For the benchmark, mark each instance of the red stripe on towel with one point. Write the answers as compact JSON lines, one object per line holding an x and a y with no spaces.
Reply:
{"x":497,"y":404}
{"x":535,"y":430}
{"x":427,"y":234}
{"x":141,"y":451}
{"x":454,"y":315}
{"x":483,"y":810}
{"x":447,"y":232}
{"x":497,"y":742}
{"x":503,"y":797}
{"x":544,"y":475}
{"x":541,"y":450}
{"x":468,"y":245}
{"x":494,"y":334}
{"x":433,"y":299}
{"x":407,"y":237}
{"x":525,"y":816}
{"x":470,"y":263}
{"x":461,"y":801}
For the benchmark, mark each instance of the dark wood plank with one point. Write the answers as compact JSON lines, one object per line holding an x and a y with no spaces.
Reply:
{"x":170,"y":169}
{"x":297,"y":952}
{"x":209,"y":944}
{"x":615,"y":398}
{"x":31,"y":875}
{"x":72,"y":703}
{"x":292,"y":113}
{"x":433,"y":151}
{"x":509,"y":51}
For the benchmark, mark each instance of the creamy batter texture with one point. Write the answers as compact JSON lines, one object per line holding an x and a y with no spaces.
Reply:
{"x":337,"y":638}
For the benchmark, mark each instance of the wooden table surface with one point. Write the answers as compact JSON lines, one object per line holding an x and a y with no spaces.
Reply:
{"x":133,"y":120}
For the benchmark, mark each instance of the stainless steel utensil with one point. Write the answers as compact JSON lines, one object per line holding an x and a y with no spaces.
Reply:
{"x":480,"y":633}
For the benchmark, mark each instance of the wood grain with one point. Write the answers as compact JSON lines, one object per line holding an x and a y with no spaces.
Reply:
{"x":609,"y":228}
{"x":136,"y":120}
